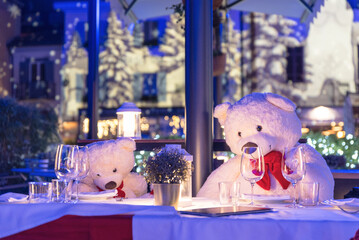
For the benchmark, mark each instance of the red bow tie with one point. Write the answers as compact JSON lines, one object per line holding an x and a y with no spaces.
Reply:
{"x":120,"y":192}
{"x":273,"y":164}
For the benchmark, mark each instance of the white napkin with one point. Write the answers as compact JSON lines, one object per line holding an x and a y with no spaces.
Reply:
{"x":340,"y":202}
{"x":13,"y":197}
{"x":348,"y":205}
{"x":103,"y":194}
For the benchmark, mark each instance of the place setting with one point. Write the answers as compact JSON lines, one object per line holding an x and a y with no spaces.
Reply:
{"x":71,"y":165}
{"x":348,"y":205}
{"x":252,"y":168}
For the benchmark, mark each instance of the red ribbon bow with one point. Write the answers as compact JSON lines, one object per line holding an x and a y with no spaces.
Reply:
{"x":120,"y":192}
{"x":273,"y":164}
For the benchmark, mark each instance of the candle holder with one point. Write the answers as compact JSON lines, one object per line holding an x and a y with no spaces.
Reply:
{"x":128,"y":116}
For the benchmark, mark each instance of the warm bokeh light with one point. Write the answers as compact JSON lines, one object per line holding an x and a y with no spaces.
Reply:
{"x":305,"y":130}
{"x":105,"y":127}
{"x":322,"y":113}
{"x":337,"y":128}
{"x":85,"y":125}
{"x":341,"y":134}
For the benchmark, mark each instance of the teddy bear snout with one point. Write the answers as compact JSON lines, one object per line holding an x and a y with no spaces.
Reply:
{"x":250,"y":147}
{"x":110,"y":185}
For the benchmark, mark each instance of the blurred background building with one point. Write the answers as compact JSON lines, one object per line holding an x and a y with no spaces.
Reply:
{"x":44,"y":61}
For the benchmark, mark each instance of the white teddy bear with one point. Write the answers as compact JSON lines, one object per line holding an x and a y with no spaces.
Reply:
{"x":111,"y":163}
{"x":269,"y":121}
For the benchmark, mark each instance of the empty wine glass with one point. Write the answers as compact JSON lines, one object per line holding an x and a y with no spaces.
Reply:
{"x":252,"y":166}
{"x":83,"y":166}
{"x":65,"y":166}
{"x":293,"y":168}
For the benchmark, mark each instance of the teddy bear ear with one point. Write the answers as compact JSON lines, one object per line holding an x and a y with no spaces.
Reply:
{"x":281,"y":102}
{"x":127,"y":144}
{"x":220,"y":112}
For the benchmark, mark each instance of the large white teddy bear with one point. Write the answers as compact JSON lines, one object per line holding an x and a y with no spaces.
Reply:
{"x":269,"y":121}
{"x":111,"y":163}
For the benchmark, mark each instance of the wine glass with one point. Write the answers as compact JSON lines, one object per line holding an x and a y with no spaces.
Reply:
{"x":65,"y":166}
{"x":293,"y":168}
{"x":252,"y":166}
{"x":83,"y":166}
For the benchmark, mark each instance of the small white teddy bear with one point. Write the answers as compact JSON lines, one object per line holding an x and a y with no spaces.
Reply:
{"x":111,"y":163}
{"x":270,"y":122}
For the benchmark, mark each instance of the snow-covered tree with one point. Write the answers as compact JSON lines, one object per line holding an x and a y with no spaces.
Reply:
{"x":115,"y":80}
{"x":173,"y":45}
{"x":231,"y":47}
{"x":73,"y":75}
{"x":264,"y":52}
{"x":173,"y":62}
{"x":76,"y":55}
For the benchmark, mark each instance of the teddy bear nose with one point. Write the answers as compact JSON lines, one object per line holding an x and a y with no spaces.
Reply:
{"x":250,"y":147}
{"x":110,"y":185}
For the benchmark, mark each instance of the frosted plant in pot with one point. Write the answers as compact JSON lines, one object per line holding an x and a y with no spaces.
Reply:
{"x":166,"y":170}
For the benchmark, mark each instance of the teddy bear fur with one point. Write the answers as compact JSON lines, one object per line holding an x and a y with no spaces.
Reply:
{"x":112,"y":161}
{"x":281,"y":128}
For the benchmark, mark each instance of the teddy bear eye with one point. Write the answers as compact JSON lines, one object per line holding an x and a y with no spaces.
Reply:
{"x":115,"y":170}
{"x":240,"y":134}
{"x":98,"y":175}
{"x":259,"y":128}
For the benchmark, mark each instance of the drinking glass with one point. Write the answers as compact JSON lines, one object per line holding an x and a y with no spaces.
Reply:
{"x":293,"y":168}
{"x":308,"y":193}
{"x":224,"y":192}
{"x":252,"y":166}
{"x":83,"y":166}
{"x":235,"y":193}
{"x":229,"y":192}
{"x":40,"y":192}
{"x":58,"y":190}
{"x":65,"y":166}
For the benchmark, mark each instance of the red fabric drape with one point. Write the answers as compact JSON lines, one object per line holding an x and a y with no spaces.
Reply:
{"x":356,"y":236}
{"x":72,"y":227}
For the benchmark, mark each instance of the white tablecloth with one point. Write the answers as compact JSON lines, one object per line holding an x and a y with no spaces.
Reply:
{"x":150,"y":222}
{"x":311,"y":223}
{"x":295,"y":224}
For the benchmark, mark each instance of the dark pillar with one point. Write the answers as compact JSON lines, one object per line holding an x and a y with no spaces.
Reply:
{"x":199,"y":88}
{"x":242,"y":53}
{"x":217,"y":99}
{"x":92,"y":77}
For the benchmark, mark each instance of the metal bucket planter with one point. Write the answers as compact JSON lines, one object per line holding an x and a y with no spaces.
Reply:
{"x":166,"y":194}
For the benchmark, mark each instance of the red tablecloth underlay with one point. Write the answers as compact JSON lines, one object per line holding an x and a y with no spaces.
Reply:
{"x":71,"y":227}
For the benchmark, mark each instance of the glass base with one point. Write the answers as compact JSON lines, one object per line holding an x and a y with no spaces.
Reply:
{"x":254,"y":204}
{"x":294,"y":206}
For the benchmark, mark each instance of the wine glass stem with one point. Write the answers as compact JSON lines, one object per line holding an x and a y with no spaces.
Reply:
{"x":69,"y":190}
{"x":295,"y":195}
{"x":77,"y":190}
{"x":252,"y":186}
{"x":67,"y":194}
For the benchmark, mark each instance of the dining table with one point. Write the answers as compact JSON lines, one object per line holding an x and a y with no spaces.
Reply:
{"x":140,"y":219}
